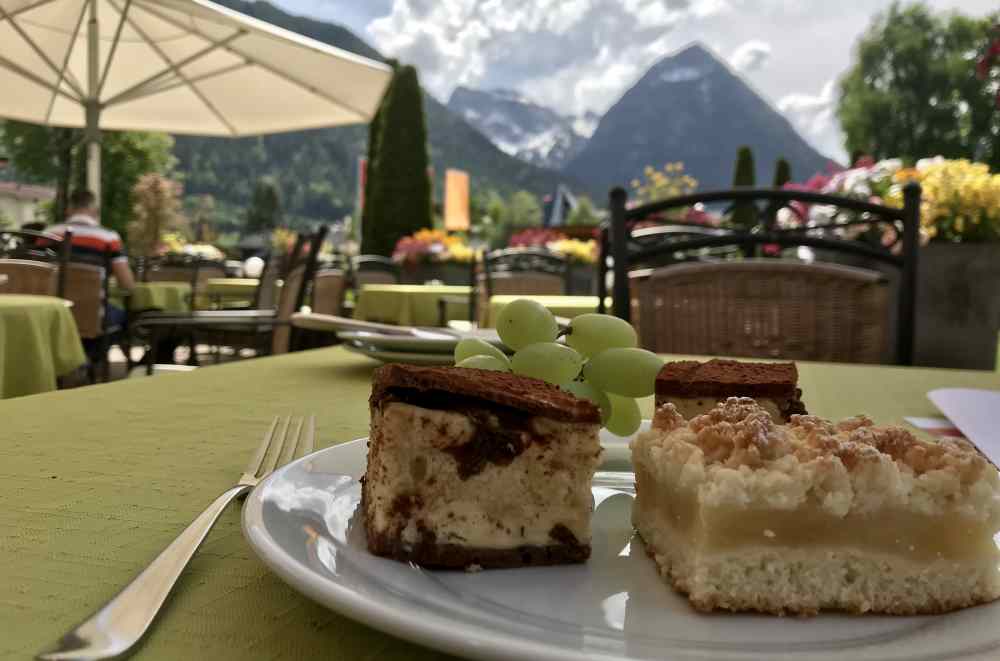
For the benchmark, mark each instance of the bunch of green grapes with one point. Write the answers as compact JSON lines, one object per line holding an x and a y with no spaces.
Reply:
{"x":599,"y":361}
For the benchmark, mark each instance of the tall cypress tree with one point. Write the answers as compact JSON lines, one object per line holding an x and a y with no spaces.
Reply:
{"x":264,"y":213}
{"x":744,"y":213}
{"x":374,"y":130}
{"x":782,"y":173}
{"x":400,"y":201}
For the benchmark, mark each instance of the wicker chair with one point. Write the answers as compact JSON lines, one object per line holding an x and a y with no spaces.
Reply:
{"x":374,"y":270}
{"x":87,"y":287}
{"x":267,"y":330}
{"x":764,"y":308}
{"x":328,"y":291}
{"x":516,"y":271}
{"x":34,"y":262}
{"x":771,"y":332}
{"x":25,"y":276}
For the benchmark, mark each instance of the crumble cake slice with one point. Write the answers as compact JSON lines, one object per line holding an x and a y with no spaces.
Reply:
{"x":473,"y":468}
{"x":696,"y":387}
{"x":740,"y":513}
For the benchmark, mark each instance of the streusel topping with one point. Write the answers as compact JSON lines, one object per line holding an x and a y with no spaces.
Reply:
{"x":740,"y":454}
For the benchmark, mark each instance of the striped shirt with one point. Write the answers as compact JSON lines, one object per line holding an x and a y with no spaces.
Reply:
{"x":90,"y":241}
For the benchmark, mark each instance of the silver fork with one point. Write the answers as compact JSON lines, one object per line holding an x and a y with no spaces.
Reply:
{"x":120,"y":623}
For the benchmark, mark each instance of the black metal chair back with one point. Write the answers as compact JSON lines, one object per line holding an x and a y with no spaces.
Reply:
{"x":509,"y":262}
{"x":646,"y":247}
{"x":39,"y":246}
{"x":373,"y":269}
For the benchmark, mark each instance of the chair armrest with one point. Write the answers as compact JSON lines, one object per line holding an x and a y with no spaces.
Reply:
{"x":444,"y":301}
{"x":207,"y":319}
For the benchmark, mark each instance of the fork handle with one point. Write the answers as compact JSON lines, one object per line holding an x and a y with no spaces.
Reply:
{"x":120,"y":623}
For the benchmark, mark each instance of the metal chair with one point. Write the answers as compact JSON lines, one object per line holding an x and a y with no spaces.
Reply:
{"x":638,"y":288}
{"x":328,"y":290}
{"x":374,"y":270}
{"x":516,"y":271}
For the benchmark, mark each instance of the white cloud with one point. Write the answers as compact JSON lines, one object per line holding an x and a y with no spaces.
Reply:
{"x":581,"y":55}
{"x":575,"y":55}
{"x":751,"y":56}
{"x":814,"y":117}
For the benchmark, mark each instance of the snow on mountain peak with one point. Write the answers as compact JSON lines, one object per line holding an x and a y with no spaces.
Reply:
{"x":522,"y":128}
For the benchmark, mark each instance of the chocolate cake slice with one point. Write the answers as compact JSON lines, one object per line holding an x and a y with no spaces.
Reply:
{"x":695,"y":388}
{"x":476,"y":469}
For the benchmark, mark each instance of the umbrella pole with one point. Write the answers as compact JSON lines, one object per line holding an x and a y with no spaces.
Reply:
{"x":92,"y":106}
{"x":92,"y":138}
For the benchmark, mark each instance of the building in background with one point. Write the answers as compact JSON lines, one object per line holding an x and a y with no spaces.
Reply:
{"x":20,"y":202}
{"x":558,"y":207}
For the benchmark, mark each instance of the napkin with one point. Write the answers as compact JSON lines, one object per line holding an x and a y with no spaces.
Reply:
{"x":975,"y":413}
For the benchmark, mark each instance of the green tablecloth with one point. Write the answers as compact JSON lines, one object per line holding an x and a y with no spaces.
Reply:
{"x":225,"y":292}
{"x":409,"y":305}
{"x":243,"y":288}
{"x":92,"y":494}
{"x":165,"y":296}
{"x":38,"y":342}
{"x":561,"y":306}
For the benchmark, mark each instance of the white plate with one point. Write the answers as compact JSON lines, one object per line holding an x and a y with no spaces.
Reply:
{"x":415,"y":344}
{"x":411,"y":358}
{"x":303,"y":523}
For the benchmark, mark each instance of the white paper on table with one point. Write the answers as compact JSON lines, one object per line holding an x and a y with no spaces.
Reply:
{"x":976,"y":412}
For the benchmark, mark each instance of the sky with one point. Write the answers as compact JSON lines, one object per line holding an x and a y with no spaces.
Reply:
{"x":580,"y":56}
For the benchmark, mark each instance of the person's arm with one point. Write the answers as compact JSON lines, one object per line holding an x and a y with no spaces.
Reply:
{"x":123,"y":273}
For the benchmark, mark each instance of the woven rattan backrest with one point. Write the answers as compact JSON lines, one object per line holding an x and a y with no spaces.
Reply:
{"x":267,"y":289}
{"x":85,"y":287}
{"x":294,"y":281}
{"x":171,"y":273}
{"x":29,"y":277}
{"x":765,"y":308}
{"x":328,"y":291}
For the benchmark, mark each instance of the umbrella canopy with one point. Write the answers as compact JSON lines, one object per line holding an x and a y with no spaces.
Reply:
{"x":181,"y":66}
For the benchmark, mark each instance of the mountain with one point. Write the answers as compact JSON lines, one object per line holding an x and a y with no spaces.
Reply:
{"x":690,"y":107}
{"x":520,"y":127}
{"x":316,"y":169}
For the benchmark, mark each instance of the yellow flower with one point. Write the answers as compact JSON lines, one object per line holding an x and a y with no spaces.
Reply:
{"x":575,"y":250}
{"x":960,"y":199}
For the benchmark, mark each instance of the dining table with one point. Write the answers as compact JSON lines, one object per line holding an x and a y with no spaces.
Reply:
{"x":165,"y":296}
{"x":411,"y":305}
{"x":39,"y":342}
{"x":92,"y":494}
{"x":241,"y":288}
{"x":561,"y":306}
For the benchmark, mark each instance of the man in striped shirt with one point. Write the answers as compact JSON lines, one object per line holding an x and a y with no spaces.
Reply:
{"x":91,"y":243}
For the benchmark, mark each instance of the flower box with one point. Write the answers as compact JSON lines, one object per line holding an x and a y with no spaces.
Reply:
{"x":958,"y":305}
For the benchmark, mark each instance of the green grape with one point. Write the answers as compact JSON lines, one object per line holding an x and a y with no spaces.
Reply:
{"x":481,"y":362}
{"x":584,"y":390}
{"x":548,"y":361}
{"x":625,"y":417}
{"x":523,"y":322}
{"x":592,"y":333}
{"x":473,"y":346}
{"x":627,"y":372}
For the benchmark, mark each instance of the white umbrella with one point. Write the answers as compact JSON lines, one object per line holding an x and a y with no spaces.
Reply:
{"x":182,"y":66}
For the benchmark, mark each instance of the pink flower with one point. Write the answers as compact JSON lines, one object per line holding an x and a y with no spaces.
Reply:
{"x":697,"y":216}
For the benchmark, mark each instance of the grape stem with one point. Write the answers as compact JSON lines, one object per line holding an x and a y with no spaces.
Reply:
{"x":563,"y":332}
